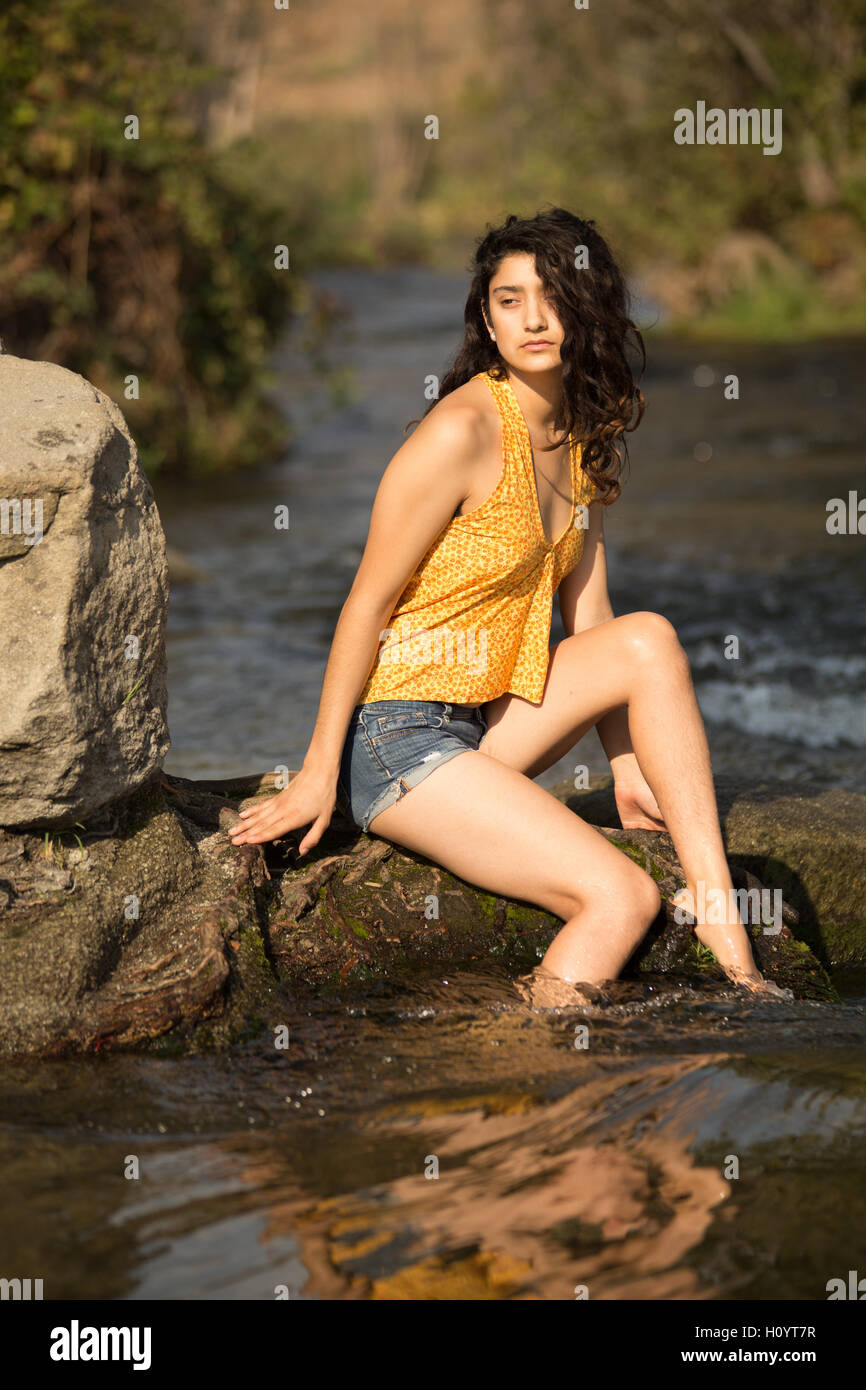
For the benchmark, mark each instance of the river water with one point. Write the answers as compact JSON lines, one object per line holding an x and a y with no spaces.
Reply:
{"x":439,"y":1139}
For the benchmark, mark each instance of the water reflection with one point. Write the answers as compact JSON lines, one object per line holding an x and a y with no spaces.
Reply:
{"x":605,"y":1166}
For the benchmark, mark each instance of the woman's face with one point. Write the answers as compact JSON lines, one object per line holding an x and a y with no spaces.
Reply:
{"x":528,"y":332}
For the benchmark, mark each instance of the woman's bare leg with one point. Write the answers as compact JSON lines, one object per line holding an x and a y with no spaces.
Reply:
{"x":635,"y":661}
{"x":492,"y":826}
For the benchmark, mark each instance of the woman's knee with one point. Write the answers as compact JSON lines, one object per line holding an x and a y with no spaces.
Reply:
{"x":632,"y":894}
{"x":652,"y":637}
{"x":640,"y":899}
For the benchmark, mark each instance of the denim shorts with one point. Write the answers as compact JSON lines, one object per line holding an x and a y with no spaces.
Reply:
{"x":391,"y":745}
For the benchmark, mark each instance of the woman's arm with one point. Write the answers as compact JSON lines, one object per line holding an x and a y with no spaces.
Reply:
{"x":420,"y":490}
{"x":583,"y":598}
{"x":422,"y":487}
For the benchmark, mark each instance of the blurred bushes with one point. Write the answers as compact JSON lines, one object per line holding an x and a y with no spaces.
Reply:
{"x":543,"y":103}
{"x":153,"y":257}
{"x":727,"y":239}
{"x":135,"y":257}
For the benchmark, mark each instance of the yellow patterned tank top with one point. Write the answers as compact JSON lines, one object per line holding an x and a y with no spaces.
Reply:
{"x":474,"y":620}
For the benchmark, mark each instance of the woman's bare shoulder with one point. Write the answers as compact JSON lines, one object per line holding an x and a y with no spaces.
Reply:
{"x":465,"y":419}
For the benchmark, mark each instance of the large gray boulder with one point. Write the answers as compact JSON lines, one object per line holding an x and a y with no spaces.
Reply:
{"x":83,"y":601}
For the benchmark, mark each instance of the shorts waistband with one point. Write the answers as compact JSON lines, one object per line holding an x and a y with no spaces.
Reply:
{"x":448,"y":708}
{"x":460,"y":711}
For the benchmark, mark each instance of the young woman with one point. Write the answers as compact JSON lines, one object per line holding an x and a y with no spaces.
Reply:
{"x":441,"y":699}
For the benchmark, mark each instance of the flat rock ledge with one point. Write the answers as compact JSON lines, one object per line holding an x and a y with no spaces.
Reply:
{"x":147,"y":928}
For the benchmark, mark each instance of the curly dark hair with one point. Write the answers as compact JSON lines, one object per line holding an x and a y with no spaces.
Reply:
{"x":599,"y":395}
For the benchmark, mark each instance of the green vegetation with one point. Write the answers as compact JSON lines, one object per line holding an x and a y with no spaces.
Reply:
{"x":703,"y":956}
{"x":730,"y":239}
{"x":132,"y":258}
{"x":148,"y":264}
{"x":577,"y":107}
{"x":133,"y":690}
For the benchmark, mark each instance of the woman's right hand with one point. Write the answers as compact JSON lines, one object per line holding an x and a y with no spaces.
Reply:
{"x":309,"y":799}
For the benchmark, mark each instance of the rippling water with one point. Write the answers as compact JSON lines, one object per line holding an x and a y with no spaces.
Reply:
{"x":687,"y":1145}
{"x":602,"y":1158}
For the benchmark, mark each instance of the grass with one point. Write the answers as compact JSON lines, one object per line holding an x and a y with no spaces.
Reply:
{"x":133,"y":690}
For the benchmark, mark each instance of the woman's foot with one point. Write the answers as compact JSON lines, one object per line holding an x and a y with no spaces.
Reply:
{"x":756,"y":984}
{"x":730,"y":945}
{"x":543,"y":990}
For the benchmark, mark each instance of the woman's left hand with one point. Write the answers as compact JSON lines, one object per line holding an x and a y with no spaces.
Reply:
{"x":637,"y":807}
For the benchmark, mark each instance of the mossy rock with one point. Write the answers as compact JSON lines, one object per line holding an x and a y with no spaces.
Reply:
{"x":118,"y":933}
{"x":806,"y":839}
{"x":149,"y":927}
{"x":360,"y":909}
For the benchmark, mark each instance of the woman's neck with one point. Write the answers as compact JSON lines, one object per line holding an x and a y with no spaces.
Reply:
{"x":538,"y":394}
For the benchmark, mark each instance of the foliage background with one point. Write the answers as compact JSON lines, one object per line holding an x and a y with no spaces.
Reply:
{"x":134,"y":256}
{"x":306,"y":127}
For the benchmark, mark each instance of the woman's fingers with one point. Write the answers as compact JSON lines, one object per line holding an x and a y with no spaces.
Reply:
{"x":250,"y":824}
{"x":264,"y":817}
{"x":273,"y":819}
{"x":314,"y":834}
{"x":262,"y":829}
{"x":265,"y":810}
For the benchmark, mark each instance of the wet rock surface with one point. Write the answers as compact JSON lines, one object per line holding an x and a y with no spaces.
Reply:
{"x":807,"y":839}
{"x":149,"y":924}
